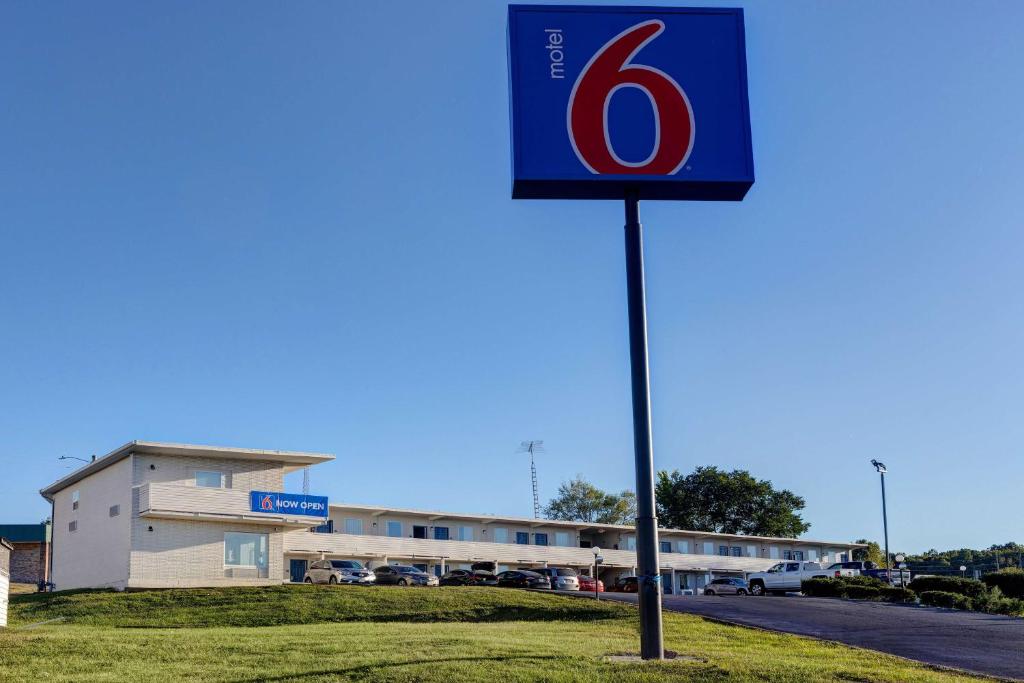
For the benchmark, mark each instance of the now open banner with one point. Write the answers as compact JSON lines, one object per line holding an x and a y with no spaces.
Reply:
{"x":288,"y":503}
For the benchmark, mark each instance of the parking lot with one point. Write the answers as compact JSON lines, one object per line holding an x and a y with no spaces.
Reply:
{"x":982,"y":643}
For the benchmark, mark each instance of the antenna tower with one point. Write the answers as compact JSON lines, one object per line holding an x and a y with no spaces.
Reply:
{"x":532,"y":447}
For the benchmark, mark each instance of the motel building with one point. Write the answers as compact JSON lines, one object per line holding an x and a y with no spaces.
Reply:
{"x":155,"y":515}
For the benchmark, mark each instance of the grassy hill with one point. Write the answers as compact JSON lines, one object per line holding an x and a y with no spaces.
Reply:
{"x":395,"y":635}
{"x":302,"y":604}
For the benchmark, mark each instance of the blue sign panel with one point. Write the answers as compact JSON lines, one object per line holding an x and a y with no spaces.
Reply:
{"x":610,"y":99}
{"x":288,"y":503}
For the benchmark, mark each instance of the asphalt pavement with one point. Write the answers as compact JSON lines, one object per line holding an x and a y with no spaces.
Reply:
{"x":982,"y":643}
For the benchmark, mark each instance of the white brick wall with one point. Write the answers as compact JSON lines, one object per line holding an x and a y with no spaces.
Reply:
{"x":181,"y":553}
{"x":95,"y":555}
{"x":245,"y":475}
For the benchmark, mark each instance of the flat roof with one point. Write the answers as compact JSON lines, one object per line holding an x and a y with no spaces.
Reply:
{"x":532,"y":521}
{"x":296,"y":458}
{"x":25,"y":533}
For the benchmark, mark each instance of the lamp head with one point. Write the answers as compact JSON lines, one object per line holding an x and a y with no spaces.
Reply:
{"x":880,"y":466}
{"x":596,"y":551}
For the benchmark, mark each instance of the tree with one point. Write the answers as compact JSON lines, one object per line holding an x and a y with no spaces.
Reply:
{"x":734,"y":502}
{"x":873,"y":553}
{"x":580,"y":501}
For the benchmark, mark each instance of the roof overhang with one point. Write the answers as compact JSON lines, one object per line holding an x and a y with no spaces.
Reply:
{"x":290,"y":459}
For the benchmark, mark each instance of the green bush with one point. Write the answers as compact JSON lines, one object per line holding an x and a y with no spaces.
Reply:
{"x":1009,"y":581}
{"x":860,"y":580}
{"x":823,"y":588}
{"x":970,"y":588}
{"x":945,"y":599}
{"x":856,"y":588}
{"x":857,"y":592}
{"x":894,"y":594}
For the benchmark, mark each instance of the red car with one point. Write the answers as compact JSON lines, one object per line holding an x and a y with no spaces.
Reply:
{"x":624,"y":584}
{"x":587,"y":584}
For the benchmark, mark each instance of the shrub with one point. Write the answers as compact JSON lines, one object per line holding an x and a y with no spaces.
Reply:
{"x":945,"y":599}
{"x":858,"y":592}
{"x":1009,"y":581}
{"x":861,"y":580}
{"x":823,"y":588}
{"x":893,"y":594}
{"x":970,"y":588}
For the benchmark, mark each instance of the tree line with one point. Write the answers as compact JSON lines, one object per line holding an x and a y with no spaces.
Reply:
{"x":707,"y":499}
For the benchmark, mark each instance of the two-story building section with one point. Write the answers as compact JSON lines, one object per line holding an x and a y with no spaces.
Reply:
{"x":172,"y":515}
{"x":436,"y":541}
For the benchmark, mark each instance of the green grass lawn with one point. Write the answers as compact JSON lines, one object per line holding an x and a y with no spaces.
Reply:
{"x":392,"y":634}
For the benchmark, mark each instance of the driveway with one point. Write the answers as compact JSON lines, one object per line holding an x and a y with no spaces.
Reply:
{"x":983,"y":643}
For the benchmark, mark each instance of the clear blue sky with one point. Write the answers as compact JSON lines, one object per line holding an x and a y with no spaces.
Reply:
{"x":289,"y":226}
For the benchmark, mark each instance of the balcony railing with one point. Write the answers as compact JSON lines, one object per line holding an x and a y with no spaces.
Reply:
{"x":196,"y":502}
{"x":379,"y":547}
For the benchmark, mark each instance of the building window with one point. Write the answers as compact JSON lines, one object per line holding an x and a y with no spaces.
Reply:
{"x":394,"y":529}
{"x":501,"y":535}
{"x":73,"y":526}
{"x":684,"y":546}
{"x":812,"y":555}
{"x":74,"y":500}
{"x":666,"y":546}
{"x":787,"y":554}
{"x":440,"y":533}
{"x":736,"y":551}
{"x":751,"y":551}
{"x":522,"y":538}
{"x":115,"y":510}
{"x":353,"y":526}
{"x":209,"y":479}
{"x":419,"y":531}
{"x":465,"y":533}
{"x":540,"y":539}
{"x":562,"y":539}
{"x":709,"y":548}
{"x":798,"y":555}
{"x":630,"y":542}
{"x":773,"y":552}
{"x":245,"y":549}
{"x":723,"y":550}
{"x":325,"y":528}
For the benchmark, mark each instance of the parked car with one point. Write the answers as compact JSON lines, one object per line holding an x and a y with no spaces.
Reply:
{"x":587,"y":584}
{"x":338,"y":571}
{"x":519,"y":578}
{"x":624,"y":584}
{"x":561,"y":578}
{"x":468,"y":577}
{"x":787,"y":576}
{"x":403,"y":575}
{"x":729,"y":586}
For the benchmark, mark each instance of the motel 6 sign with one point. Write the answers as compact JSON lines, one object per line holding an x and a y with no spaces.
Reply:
{"x":610,"y":99}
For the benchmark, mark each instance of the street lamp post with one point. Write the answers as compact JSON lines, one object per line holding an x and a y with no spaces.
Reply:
{"x":597,"y":561}
{"x":880,"y":468}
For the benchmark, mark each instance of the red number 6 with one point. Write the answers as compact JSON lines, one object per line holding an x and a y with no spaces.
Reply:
{"x":606,"y":72}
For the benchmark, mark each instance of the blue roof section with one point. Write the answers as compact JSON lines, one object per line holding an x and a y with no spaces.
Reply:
{"x":25,"y":533}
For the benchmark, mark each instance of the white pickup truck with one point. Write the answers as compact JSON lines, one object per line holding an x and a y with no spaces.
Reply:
{"x":786,"y":577}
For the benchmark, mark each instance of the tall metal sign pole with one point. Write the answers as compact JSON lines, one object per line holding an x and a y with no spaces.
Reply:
{"x":649,"y":593}
{"x":631,"y":103}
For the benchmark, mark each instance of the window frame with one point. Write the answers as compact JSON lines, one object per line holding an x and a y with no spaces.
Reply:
{"x":559,"y":535}
{"x":523,"y":535}
{"x":447,"y":536}
{"x":258,"y":536}
{"x":359,"y":521}
{"x":387,"y":528}
{"x":537,"y":535}
{"x":222,"y":478}
{"x":503,"y":534}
